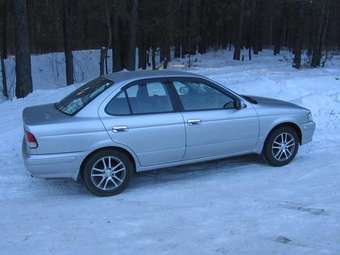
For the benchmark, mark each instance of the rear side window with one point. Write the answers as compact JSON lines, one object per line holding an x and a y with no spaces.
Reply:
{"x":118,"y":105}
{"x":79,"y":98}
{"x":150,"y":97}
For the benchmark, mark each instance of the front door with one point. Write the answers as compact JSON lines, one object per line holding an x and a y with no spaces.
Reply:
{"x":142,"y":118}
{"x":214,"y":127}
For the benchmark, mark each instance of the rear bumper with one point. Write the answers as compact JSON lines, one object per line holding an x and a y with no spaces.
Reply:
{"x":62,"y":165}
{"x":307,"y":130}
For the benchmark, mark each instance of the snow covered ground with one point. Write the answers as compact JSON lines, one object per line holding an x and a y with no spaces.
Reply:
{"x":231,"y":206}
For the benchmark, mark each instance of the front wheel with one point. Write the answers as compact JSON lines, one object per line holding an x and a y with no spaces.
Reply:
{"x":281,"y":146}
{"x":107,"y":172}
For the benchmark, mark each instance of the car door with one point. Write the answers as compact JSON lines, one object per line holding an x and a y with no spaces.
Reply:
{"x":214,"y":127}
{"x":142,"y":117}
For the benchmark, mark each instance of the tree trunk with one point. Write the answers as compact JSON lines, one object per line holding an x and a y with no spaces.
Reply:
{"x":142,"y":57}
{"x":318,"y":44}
{"x":3,"y":53}
{"x":153,"y":58}
{"x":238,"y":42}
{"x":67,"y":32}
{"x":177,"y":48}
{"x":162,"y":50}
{"x":132,"y":34}
{"x":165,"y":63}
{"x":202,"y":48}
{"x":116,"y":57}
{"x":22,"y":50}
{"x":299,"y":36}
{"x":278,"y":34}
{"x":148,"y":57}
{"x":4,"y":78}
{"x":253,"y":27}
{"x":4,"y":16}
{"x":109,"y":33}
{"x":103,"y":57}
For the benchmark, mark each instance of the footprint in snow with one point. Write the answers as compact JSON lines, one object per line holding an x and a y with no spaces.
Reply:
{"x":314,"y":211}
{"x":283,"y":239}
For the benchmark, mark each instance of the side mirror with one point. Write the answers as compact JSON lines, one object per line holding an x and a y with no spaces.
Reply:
{"x":239,"y":105}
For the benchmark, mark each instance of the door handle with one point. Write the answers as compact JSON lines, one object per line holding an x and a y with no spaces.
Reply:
{"x":119,"y":129}
{"x":194,"y":122}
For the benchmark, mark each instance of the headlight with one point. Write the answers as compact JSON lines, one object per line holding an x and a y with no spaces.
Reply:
{"x":309,"y":116}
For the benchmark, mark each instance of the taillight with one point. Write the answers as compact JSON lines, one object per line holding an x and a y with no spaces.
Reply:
{"x":31,"y":141}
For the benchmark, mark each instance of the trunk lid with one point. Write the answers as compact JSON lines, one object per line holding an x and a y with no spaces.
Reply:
{"x":43,"y":114}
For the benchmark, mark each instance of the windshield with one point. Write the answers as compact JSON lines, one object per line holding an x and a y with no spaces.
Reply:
{"x":79,"y":98}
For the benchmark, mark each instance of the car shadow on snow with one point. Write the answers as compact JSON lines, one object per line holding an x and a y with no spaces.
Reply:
{"x":196,"y":170}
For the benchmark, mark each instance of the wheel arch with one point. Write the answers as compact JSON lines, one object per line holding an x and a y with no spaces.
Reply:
{"x":287,"y":124}
{"x":115,"y":148}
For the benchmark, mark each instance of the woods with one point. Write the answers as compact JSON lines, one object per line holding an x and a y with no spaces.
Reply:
{"x":310,"y":29}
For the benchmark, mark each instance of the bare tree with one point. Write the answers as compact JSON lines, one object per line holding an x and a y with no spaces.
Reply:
{"x":67,"y":32}
{"x":22,"y":50}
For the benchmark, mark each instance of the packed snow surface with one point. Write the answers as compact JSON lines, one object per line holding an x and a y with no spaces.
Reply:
{"x":231,"y":206}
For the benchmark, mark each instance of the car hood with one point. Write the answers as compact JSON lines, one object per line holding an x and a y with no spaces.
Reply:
{"x":43,"y":114}
{"x":270,"y":102}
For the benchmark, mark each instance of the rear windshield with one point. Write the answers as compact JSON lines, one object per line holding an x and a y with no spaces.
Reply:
{"x":79,"y":98}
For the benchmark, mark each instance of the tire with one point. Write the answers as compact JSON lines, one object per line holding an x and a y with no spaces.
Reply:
{"x":281,"y":146}
{"x":107,"y":172}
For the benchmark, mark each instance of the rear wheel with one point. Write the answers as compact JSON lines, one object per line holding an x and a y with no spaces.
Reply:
{"x":107,"y":172}
{"x":281,"y":146}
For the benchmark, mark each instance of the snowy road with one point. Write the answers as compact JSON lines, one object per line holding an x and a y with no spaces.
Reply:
{"x":233,"y":206}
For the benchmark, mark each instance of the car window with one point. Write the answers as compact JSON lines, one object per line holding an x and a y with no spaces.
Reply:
{"x":118,"y":105}
{"x":79,"y":98}
{"x":154,"y":89}
{"x":150,"y":97}
{"x":200,"y":96}
{"x":133,"y":91}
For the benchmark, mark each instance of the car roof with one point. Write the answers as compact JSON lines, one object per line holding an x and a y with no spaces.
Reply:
{"x":132,"y":75}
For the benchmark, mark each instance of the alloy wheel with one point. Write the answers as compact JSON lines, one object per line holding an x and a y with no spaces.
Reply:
{"x":283,"y":146}
{"x":108,"y":173}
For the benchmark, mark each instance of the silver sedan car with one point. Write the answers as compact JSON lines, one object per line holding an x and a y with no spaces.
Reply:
{"x":129,"y":122}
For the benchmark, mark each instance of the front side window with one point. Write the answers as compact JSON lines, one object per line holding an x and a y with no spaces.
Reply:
{"x":196,"y":96}
{"x":144,"y":98}
{"x":79,"y":98}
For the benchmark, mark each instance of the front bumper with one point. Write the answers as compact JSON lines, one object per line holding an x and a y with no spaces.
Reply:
{"x":307,"y":131}
{"x":61,"y":165}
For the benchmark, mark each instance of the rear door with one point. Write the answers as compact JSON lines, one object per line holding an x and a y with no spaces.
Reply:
{"x":142,"y":117}
{"x":214,"y":127}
